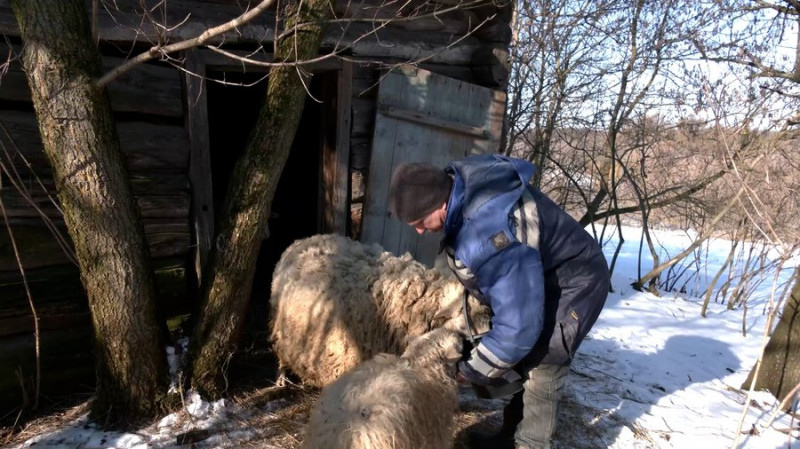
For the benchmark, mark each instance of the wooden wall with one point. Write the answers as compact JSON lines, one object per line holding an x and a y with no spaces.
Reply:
{"x":147,"y":104}
{"x":154,"y":128}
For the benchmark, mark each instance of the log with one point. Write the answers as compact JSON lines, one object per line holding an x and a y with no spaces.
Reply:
{"x":60,"y":300}
{"x":165,"y":237}
{"x":65,"y":328}
{"x":55,"y":289}
{"x":184,"y":19}
{"x":174,"y":206}
{"x":392,"y":44}
{"x":148,"y":146}
{"x":66,"y":364}
{"x":147,"y":89}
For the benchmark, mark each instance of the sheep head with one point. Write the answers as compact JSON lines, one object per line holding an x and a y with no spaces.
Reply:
{"x":438,"y":347}
{"x":450,"y":314}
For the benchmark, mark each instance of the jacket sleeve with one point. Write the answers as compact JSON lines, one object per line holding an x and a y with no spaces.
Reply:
{"x":513,"y":282}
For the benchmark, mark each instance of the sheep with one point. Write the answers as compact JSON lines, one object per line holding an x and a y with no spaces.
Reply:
{"x":336,"y":303}
{"x":392,"y":402}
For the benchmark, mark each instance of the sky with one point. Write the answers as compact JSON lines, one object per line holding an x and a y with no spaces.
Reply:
{"x":653,"y":373}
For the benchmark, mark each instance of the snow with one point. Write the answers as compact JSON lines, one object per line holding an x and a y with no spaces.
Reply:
{"x":653,"y":373}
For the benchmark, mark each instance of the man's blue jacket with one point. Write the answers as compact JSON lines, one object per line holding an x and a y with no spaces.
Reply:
{"x":544,"y":277}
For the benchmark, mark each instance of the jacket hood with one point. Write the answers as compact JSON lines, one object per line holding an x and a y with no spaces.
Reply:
{"x":479,"y":179}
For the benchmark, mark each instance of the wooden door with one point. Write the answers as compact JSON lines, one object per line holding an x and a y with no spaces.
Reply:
{"x":424,"y":117}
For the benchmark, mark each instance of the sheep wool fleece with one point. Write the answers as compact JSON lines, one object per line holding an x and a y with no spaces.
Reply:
{"x":544,"y":277}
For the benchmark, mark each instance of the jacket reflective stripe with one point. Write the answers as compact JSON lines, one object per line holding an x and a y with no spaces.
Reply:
{"x":526,"y":217}
{"x":486,"y":363}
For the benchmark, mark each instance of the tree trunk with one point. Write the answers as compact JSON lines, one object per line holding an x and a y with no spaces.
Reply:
{"x":228,"y":277}
{"x":62,"y":64}
{"x":780,"y":364}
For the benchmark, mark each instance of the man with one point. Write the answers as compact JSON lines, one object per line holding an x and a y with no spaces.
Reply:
{"x":544,"y":277}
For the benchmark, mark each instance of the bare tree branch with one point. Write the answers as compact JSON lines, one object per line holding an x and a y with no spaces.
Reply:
{"x":157,"y":51}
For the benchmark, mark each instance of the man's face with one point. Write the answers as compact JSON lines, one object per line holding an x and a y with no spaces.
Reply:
{"x":433,"y":222}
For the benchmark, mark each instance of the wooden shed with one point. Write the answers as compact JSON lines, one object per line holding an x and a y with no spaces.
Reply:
{"x":425,"y":86}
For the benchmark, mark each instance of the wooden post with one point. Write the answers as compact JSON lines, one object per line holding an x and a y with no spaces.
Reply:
{"x":196,"y":103}
{"x":336,"y":171}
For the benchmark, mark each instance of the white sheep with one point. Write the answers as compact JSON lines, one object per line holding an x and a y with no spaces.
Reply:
{"x":392,"y":402}
{"x":336,"y":303}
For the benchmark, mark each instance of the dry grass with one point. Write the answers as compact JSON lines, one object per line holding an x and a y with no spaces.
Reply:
{"x":274,"y":417}
{"x":268,"y":416}
{"x":55,"y":417}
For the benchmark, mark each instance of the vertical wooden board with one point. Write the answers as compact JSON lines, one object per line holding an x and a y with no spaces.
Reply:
{"x":380,"y":168}
{"x":409,"y":138}
{"x":497,"y":114}
{"x":413,"y":144}
{"x":441,"y":149}
{"x":335,"y":177}
{"x":344,"y":97}
{"x":422,"y":117}
{"x":200,"y":158}
{"x":475,"y":112}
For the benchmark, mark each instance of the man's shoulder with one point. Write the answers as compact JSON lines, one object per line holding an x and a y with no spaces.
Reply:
{"x":479,"y":240}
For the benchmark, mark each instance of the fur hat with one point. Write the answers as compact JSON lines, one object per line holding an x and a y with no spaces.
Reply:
{"x":417,"y":189}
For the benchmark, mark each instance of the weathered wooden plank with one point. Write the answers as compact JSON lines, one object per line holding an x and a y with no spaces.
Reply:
{"x":56,"y":289}
{"x":39,"y":247}
{"x":174,"y":205}
{"x":459,"y":72}
{"x":336,"y":179}
{"x":64,"y":324}
{"x":176,"y":20}
{"x":142,"y":184}
{"x":170,"y":185}
{"x":149,"y":147}
{"x":47,"y":321}
{"x":445,"y":40}
{"x":434,"y":119}
{"x":66,"y":363}
{"x":159,"y":183}
{"x":147,"y":89}
{"x":417,"y":15}
{"x":165,"y":237}
{"x":202,"y":216}
{"x":442,"y":97}
{"x":428,"y":119}
{"x":375,"y":212}
{"x":53,"y":288}
{"x":423,"y":93}
{"x":366,"y":41}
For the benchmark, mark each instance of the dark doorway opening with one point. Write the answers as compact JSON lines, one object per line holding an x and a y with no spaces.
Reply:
{"x":233,"y":110}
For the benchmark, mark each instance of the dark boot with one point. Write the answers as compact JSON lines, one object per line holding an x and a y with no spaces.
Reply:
{"x":504,"y":438}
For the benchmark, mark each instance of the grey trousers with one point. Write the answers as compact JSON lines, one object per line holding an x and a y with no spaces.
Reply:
{"x":531,"y":415}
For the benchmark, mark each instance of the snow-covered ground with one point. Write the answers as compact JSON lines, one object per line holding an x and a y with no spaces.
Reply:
{"x":652,"y":374}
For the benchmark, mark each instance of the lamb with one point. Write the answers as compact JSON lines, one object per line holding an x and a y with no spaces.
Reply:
{"x":392,"y":402}
{"x":336,"y":303}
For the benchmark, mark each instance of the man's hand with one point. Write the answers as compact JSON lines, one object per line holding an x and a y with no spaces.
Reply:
{"x":467,"y":374}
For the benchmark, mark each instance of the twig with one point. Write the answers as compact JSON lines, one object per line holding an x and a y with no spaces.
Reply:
{"x":14,"y":426}
{"x":158,"y":50}
{"x":783,"y":403}
{"x":30,"y":303}
{"x":16,"y":181}
{"x":757,"y":368}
